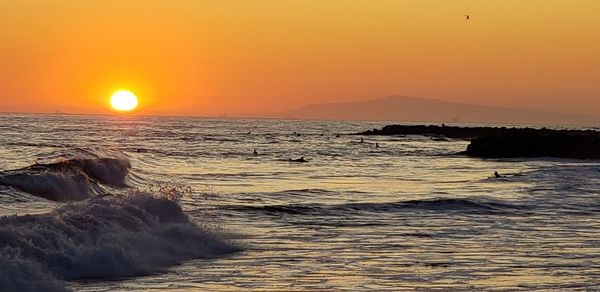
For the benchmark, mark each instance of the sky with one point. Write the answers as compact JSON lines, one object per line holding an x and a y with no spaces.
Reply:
{"x":212,"y":58}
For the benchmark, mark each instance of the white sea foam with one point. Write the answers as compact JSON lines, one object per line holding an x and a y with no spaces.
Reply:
{"x":100,"y":238}
{"x":69,"y":180}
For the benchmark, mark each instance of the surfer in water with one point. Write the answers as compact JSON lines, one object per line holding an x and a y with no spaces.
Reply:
{"x":300,"y":160}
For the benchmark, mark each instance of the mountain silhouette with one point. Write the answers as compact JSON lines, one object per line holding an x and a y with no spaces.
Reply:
{"x":413,"y":109}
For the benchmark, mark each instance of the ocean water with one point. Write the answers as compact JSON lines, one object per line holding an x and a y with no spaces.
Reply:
{"x":107,"y":203}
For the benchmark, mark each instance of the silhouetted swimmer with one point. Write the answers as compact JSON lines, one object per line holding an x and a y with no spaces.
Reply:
{"x":496,"y":174}
{"x":376,"y":145}
{"x":362,"y":140}
{"x":255,"y":152}
{"x":337,"y":136}
{"x":300,"y":160}
{"x":298,"y":135}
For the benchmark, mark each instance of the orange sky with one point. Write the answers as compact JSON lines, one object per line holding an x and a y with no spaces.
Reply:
{"x":197,"y":57}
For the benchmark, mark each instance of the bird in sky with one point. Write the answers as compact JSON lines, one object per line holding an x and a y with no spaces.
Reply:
{"x":467,"y":17}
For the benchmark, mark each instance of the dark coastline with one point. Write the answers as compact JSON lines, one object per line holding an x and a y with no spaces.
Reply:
{"x":502,"y":142}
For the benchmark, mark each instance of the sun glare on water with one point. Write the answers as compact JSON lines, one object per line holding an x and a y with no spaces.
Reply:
{"x":124,"y":100}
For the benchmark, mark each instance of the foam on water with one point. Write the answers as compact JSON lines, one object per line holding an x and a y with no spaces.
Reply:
{"x":70,"y":179}
{"x":106,"y":237}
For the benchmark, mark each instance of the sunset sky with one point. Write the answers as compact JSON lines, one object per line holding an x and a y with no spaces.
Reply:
{"x":199,"y":57}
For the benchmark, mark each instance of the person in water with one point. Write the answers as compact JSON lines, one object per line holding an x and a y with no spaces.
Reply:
{"x":254,"y":152}
{"x":376,"y":145}
{"x":301,"y":160}
{"x":496,"y":174}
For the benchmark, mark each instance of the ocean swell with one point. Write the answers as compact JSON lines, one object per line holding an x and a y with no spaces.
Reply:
{"x":104,"y":237}
{"x":450,"y":205}
{"x":69,"y":179}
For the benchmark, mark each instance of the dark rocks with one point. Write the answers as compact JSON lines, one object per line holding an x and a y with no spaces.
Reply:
{"x":537,"y":143}
{"x":431,"y":130}
{"x":493,"y":142}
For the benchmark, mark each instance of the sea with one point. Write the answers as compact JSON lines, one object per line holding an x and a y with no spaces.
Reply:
{"x":136,"y":203}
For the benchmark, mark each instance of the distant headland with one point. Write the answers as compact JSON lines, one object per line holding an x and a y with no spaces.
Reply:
{"x":415,"y":109}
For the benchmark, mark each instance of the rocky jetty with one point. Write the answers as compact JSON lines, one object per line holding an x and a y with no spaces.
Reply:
{"x":492,"y":142}
{"x":537,"y":143}
{"x":432,"y":130}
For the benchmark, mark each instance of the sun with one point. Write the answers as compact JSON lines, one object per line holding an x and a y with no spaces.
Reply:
{"x":123,"y":100}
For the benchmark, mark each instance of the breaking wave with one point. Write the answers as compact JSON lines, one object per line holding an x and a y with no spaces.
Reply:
{"x":71,"y":179}
{"x":104,"y":237}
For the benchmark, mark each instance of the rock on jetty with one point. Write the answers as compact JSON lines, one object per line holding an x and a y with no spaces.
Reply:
{"x":504,"y":142}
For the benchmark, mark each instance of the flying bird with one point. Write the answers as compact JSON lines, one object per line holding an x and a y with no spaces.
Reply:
{"x":467,"y":17}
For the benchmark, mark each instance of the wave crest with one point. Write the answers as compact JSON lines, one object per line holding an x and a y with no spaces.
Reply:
{"x":101,"y":238}
{"x":111,"y":171}
{"x":69,"y":179}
